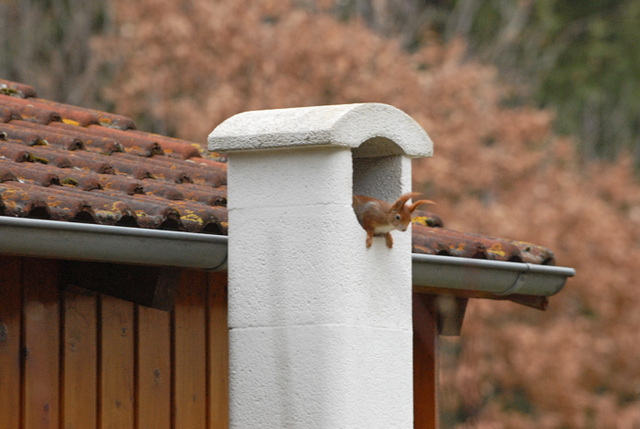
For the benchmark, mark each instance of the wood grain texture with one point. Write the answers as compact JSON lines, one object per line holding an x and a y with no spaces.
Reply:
{"x":73,"y":358}
{"x":10,"y":316}
{"x":218,"y":352}
{"x":79,"y":386}
{"x":42,"y":335}
{"x":154,"y":369}
{"x":117,"y":364}
{"x":189,"y":353}
{"x":425,"y":337}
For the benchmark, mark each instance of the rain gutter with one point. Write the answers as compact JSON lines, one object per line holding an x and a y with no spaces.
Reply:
{"x":481,"y":275}
{"x":80,"y":241}
{"x":90,"y":242}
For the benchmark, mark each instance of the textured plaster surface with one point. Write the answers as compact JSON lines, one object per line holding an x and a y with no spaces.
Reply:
{"x":347,"y":125}
{"x":283,"y":178}
{"x":384,"y":178}
{"x":306,"y":260}
{"x":320,"y":326}
{"x":329,"y":376}
{"x":311,"y":271}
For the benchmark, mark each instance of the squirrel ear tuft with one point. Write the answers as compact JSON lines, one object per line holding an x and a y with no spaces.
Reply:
{"x":403,"y":199}
{"x":413,"y":206}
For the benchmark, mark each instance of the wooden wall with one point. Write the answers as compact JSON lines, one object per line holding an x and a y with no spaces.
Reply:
{"x":76,"y":359}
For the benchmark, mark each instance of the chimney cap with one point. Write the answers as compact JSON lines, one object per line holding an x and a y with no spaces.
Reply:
{"x":388,"y":130}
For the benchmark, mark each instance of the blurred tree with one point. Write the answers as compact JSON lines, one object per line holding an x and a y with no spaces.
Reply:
{"x":578,"y":58}
{"x":574,"y":57}
{"x":48,"y":44}
{"x":499,"y":169}
{"x":183,"y":66}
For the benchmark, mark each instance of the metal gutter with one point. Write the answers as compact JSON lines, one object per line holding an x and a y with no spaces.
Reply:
{"x":481,"y":275}
{"x":81,"y":241}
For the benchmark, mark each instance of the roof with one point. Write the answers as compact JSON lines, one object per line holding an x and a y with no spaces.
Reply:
{"x":67,"y":163}
{"x":74,"y":164}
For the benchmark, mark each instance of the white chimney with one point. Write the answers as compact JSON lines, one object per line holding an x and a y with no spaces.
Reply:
{"x":319,"y":326}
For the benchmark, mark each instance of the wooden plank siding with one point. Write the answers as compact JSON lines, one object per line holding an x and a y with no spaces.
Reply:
{"x":10,"y":342}
{"x":189,"y":329}
{"x":41,"y":322}
{"x":425,"y":366}
{"x":80,"y":358}
{"x":218,"y":363}
{"x":71,"y":358}
{"x":154,"y":369}
{"x":117,"y":364}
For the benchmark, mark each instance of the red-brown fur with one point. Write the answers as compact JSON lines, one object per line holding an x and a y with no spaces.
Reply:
{"x":380,"y":218}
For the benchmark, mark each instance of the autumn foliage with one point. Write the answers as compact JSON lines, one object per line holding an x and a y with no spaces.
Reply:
{"x":185,"y":66}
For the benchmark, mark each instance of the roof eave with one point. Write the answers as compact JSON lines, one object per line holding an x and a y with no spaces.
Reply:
{"x":90,"y":242}
{"x":498,"y":278}
{"x":79,"y":241}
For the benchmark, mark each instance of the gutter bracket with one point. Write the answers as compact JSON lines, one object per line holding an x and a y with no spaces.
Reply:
{"x":517,"y":285}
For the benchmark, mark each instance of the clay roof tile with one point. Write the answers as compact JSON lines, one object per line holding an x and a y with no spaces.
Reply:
{"x":75,"y":164}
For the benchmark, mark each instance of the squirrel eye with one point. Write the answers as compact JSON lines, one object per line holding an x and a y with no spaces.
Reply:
{"x":397,"y":217}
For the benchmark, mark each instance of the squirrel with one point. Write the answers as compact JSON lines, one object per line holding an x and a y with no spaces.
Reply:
{"x":379,"y":218}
